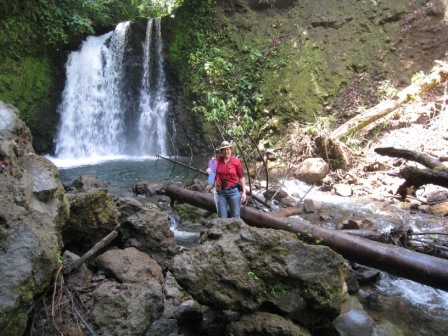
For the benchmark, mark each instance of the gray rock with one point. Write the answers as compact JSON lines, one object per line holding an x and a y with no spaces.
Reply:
{"x":311,"y":206}
{"x":264,"y":324}
{"x":414,"y":204}
{"x":141,"y":188}
{"x":126,"y":309}
{"x":93,"y":215}
{"x":244,"y":267}
{"x":148,"y":226}
{"x":312,"y":170}
{"x":89,"y":182}
{"x":171,"y":288}
{"x":32,"y":211}
{"x":80,"y":277}
{"x":424,"y":208}
{"x":163,"y":327}
{"x":343,"y":190}
{"x":354,"y":323}
{"x":129,"y":265}
{"x":275,"y":192}
{"x":288,"y":201}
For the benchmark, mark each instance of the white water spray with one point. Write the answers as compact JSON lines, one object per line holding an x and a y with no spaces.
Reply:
{"x":93,"y":109}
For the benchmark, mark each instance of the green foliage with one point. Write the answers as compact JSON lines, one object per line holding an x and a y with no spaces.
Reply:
{"x":223,"y":83}
{"x":321,"y":125}
{"x":26,"y":85}
{"x":233,"y":118}
{"x":156,"y":8}
{"x":221,"y":77}
{"x":309,"y":238}
{"x":386,"y":90}
{"x":31,"y":27}
{"x":419,"y":75}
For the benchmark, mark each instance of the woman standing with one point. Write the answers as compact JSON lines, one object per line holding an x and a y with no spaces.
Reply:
{"x":229,"y":175}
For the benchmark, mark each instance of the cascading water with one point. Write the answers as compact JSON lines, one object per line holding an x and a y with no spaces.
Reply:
{"x":153,"y":104}
{"x":98,"y":119}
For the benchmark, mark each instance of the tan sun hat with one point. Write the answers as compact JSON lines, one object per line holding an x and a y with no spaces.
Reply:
{"x":226,"y":144}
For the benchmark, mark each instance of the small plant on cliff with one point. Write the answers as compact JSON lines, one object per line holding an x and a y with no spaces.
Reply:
{"x":386,"y":90}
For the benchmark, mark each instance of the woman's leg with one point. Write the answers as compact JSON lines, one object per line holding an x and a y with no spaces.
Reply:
{"x":222,"y":204}
{"x":234,"y":197}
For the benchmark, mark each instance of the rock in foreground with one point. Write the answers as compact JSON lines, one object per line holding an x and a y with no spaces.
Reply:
{"x":245,"y":269}
{"x":33,"y":208}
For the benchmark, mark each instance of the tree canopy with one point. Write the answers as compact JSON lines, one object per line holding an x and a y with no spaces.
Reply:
{"x":30,"y":27}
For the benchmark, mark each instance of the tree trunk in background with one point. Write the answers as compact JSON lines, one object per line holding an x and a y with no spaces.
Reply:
{"x":437,"y":76}
{"x":415,"y":177}
{"x":415,"y":266}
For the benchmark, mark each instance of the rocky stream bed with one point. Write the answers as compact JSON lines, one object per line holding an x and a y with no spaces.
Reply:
{"x":226,"y":278}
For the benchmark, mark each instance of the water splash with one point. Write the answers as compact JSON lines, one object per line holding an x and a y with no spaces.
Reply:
{"x":97,"y":119}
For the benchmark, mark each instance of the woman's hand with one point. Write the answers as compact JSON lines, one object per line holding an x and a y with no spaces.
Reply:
{"x":208,"y":171}
{"x":243,"y":196}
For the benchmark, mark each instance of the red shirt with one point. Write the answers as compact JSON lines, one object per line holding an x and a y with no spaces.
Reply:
{"x":231,"y":171}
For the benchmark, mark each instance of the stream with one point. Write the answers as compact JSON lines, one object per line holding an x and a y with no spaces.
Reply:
{"x":414,"y":308}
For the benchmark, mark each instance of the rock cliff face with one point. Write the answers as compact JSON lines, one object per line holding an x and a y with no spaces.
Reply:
{"x":320,"y":57}
{"x":33,"y":209}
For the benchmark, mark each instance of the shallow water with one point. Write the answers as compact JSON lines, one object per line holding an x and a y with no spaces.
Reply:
{"x":126,"y":171}
{"x":416,"y":309}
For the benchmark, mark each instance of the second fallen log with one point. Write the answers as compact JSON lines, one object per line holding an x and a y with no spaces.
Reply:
{"x":414,"y":177}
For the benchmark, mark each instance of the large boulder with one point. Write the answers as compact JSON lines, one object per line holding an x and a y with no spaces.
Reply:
{"x":130,"y":265}
{"x":88,"y":182}
{"x":312,"y":170}
{"x":264,"y":324}
{"x":146,"y":227}
{"x":354,"y":320}
{"x":33,"y":209}
{"x":93,"y":215}
{"x":131,"y":298}
{"x":242,"y":268}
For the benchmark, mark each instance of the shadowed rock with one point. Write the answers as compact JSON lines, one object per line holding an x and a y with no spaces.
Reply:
{"x":32,"y":211}
{"x":242,"y":268}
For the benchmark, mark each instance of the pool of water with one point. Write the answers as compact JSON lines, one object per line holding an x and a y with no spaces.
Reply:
{"x":126,"y":171}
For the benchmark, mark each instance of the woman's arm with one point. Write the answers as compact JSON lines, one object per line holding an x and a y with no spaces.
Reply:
{"x":243,"y":185}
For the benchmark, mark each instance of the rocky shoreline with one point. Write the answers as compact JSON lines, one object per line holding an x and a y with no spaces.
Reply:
{"x":236,"y":280}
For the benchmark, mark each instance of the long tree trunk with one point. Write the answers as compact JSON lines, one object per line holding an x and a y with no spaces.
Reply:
{"x":437,"y":76}
{"x":405,"y":263}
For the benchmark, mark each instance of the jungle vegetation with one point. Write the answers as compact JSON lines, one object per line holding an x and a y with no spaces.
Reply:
{"x":33,"y":34}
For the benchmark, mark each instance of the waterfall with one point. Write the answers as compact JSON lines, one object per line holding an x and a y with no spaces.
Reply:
{"x":153,"y":104}
{"x":98,"y":117}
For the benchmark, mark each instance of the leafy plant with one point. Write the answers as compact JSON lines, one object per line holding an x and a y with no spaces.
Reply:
{"x":321,"y":125}
{"x":386,"y":90}
{"x":419,"y":75}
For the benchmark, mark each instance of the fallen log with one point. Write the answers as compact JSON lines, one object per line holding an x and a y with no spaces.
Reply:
{"x":437,"y":76}
{"x":414,"y":177}
{"x":417,"y":241}
{"x":428,"y":270}
{"x":67,"y":269}
{"x":426,"y":160}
